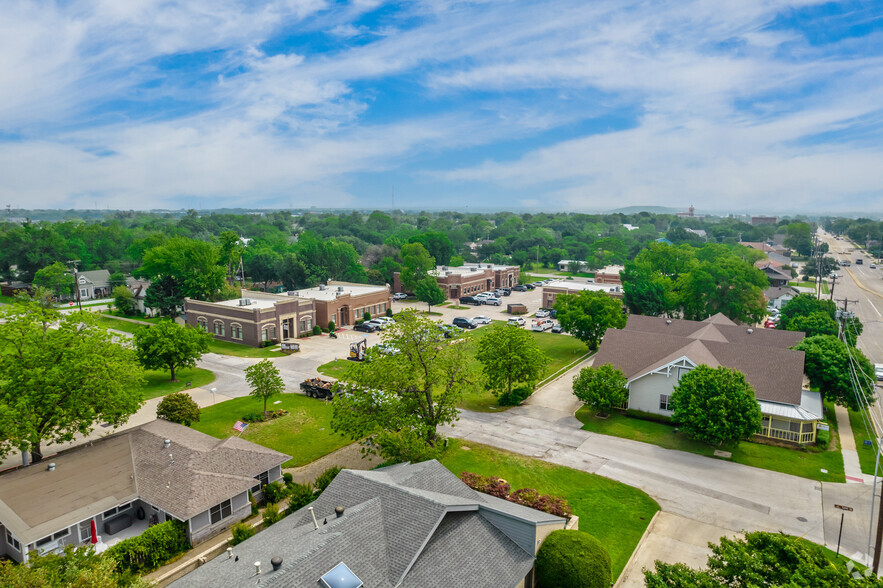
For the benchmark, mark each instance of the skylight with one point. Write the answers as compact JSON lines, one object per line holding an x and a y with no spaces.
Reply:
{"x":340,"y":576}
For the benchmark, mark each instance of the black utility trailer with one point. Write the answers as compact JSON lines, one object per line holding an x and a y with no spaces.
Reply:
{"x":318,"y":388}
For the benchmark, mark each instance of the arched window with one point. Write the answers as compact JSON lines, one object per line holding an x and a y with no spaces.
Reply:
{"x":236,"y":330}
{"x":219,"y":328}
{"x":203,"y":324}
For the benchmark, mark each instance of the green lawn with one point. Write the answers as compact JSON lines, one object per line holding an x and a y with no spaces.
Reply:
{"x":6,"y":299}
{"x":611,"y":511}
{"x":797,"y":462}
{"x":335,"y":369}
{"x":159,"y":384}
{"x":867,"y":456}
{"x":239,"y":350}
{"x":305,"y":434}
{"x":118,"y":325}
{"x":810,"y":284}
{"x":137,"y":317}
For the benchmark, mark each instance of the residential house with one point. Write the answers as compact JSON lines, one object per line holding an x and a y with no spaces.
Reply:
{"x":568,"y":265}
{"x":139,"y":292}
{"x":128,"y":481}
{"x":407,"y":526}
{"x":779,"y":296}
{"x":764,"y":220}
{"x":776,"y":277}
{"x":654,"y":353}
{"x":94,"y":284}
{"x":698,"y":232}
{"x":776,"y":253}
{"x":12,"y":288}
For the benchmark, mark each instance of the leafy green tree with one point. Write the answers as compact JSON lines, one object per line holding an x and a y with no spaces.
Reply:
{"x":602,"y":387}
{"x":165,"y":296}
{"x":715,"y":405}
{"x":574,"y":559}
{"x":77,"y":566}
{"x":587,"y":315}
{"x":817,"y":323}
{"x":812,"y":267}
{"x":116,"y":279}
{"x":195,"y":266}
{"x":509,"y":357}
{"x":725,"y":284}
{"x":802,"y":314}
{"x":170,"y":346}
{"x":178,"y":407}
{"x":292,"y":272}
{"x":839,"y":371}
{"x":798,"y":236}
{"x":262,"y":265}
{"x":761,"y":559}
{"x":645,"y":294}
{"x":55,"y":278}
{"x":265,"y":381}
{"x":61,"y":381}
{"x":804,"y":305}
{"x":437,"y":245}
{"x":230,"y":253}
{"x":456,"y":261}
{"x":428,"y":291}
{"x":416,"y":264}
{"x":397,"y":401}
{"x":387,"y":267}
{"x":124,"y":300}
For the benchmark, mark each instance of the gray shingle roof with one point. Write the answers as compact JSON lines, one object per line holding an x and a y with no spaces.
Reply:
{"x":647,"y":343}
{"x":405,"y":525}
{"x":99,"y":278}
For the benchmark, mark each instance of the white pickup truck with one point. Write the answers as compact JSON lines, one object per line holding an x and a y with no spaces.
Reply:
{"x":542,"y":324}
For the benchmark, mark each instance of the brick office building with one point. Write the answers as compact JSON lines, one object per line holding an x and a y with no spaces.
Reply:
{"x":609,"y":275}
{"x":253,"y":319}
{"x":470,"y":279}
{"x":553,"y":289}
{"x":344,"y":303}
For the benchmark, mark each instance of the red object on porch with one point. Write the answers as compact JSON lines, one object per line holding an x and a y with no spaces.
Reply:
{"x":94,"y":531}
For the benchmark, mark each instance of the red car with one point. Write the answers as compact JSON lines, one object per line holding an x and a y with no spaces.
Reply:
{"x":769,"y":325}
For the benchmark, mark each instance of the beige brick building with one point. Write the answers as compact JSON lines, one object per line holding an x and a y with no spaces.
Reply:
{"x":470,"y":279}
{"x":553,"y":289}
{"x":344,"y":303}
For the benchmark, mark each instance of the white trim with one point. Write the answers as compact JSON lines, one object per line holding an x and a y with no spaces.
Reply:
{"x":683,"y":362}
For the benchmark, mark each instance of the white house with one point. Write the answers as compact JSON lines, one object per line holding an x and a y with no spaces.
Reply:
{"x":654,"y":353}
{"x":779,"y":296}
{"x":93,"y":284}
{"x":126,"y":482}
{"x":567,"y":265}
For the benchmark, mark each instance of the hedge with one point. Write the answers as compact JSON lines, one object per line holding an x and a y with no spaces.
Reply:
{"x":152,"y":548}
{"x":574,"y":559}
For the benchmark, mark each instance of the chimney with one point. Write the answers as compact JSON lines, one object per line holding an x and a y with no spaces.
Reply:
{"x":750,"y":331}
{"x":257,"y":568}
{"x":229,"y":553}
{"x":339,"y":511}
{"x":51,"y":467}
{"x":668,"y":321}
{"x":276,"y":562}
{"x":167,"y":443}
{"x":315,"y":522}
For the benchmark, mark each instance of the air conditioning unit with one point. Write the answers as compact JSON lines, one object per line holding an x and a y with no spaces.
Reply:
{"x":340,"y":288}
{"x":321,"y":287}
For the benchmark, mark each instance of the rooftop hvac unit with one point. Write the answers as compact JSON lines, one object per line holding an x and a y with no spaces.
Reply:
{"x":340,"y":288}
{"x":321,"y":287}
{"x":448,"y":273}
{"x":244,"y":302}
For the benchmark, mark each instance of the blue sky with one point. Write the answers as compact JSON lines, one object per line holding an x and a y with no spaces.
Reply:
{"x":730,"y":105}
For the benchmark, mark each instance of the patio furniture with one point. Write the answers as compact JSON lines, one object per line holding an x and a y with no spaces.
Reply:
{"x":117,"y":524}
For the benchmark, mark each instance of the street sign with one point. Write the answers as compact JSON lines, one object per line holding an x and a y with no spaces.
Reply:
{"x":841,"y":507}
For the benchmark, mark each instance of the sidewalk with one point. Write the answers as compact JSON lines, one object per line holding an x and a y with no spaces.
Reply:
{"x":851,"y":465}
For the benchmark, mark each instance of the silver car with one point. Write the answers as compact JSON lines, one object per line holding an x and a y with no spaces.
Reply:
{"x":481,"y":320}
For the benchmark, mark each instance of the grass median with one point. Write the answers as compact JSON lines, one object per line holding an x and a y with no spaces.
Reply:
{"x":159,"y":384}
{"x":805,"y":463}
{"x":616,"y":514}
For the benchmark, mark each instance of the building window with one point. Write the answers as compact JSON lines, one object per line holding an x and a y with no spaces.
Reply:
{"x":83,"y":293}
{"x":221,"y":511}
{"x":263,"y":479}
{"x":272,"y":332}
{"x":12,"y":542}
{"x":219,"y":328}
{"x":236,"y":331}
{"x":116,"y":510}
{"x":663,"y":402}
{"x":86,"y":530}
{"x":203,"y":324}
{"x":61,"y":534}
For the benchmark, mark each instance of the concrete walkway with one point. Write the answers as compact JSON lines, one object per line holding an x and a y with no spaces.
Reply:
{"x":851,"y":465}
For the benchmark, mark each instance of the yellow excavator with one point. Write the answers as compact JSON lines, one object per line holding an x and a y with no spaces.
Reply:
{"x":357,"y":349}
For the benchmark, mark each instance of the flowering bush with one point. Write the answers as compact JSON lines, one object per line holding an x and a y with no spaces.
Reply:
{"x":554,"y":505}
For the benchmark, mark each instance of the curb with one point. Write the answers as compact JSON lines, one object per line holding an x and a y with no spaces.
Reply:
{"x":637,"y":547}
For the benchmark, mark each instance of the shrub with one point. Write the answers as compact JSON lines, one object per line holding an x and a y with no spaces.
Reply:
{"x":274,"y":492}
{"x":529,"y":497}
{"x":822,"y":439}
{"x":366,"y":316}
{"x":178,"y":407}
{"x":317,"y":330}
{"x":254,"y":417}
{"x":515,"y":397}
{"x":331,"y":326}
{"x":152,"y":548}
{"x":272,"y":515}
{"x":359,"y":321}
{"x":326,"y":477}
{"x":299,"y":495}
{"x":254,"y":504}
{"x":487,"y":484}
{"x":241,"y":532}
{"x":287,"y":478}
{"x":574,"y":559}
{"x":389,"y":312}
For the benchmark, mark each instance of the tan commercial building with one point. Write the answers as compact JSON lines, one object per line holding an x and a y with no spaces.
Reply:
{"x":255,"y":318}
{"x":344,"y":303}
{"x":609,"y":275}
{"x":553,"y":289}
{"x":471,"y":278}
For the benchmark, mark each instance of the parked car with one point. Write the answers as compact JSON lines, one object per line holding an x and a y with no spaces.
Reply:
{"x":483,"y":295}
{"x":481,"y":320}
{"x":530,"y":286}
{"x":366,"y":328}
{"x":769,"y":324}
{"x":557,"y":328}
{"x":493,"y":301}
{"x":449,"y":331}
{"x":878,"y":369}
{"x":377,"y":323}
{"x":504,"y":291}
{"x":542,"y":313}
{"x":470,"y":300}
{"x":553,"y":313}
{"x":541,"y":325}
{"x":516,"y":320}
{"x":519,"y":288}
{"x":873,"y":266}
{"x":463,"y":323}
{"x":399,"y":296}
{"x":859,"y":261}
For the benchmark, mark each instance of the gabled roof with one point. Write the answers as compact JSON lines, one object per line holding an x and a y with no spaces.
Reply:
{"x":98,"y":278}
{"x":409,"y":525}
{"x":778,"y":291}
{"x":763,"y":355}
{"x":132,"y":464}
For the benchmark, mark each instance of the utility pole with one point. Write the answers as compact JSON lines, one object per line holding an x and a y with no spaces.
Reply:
{"x":833,"y":283}
{"x":843,"y":315}
{"x":74,"y":262}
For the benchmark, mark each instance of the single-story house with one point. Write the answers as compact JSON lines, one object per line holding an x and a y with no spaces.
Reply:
{"x":406,"y":526}
{"x":698,"y":232}
{"x":568,"y":265}
{"x":139,"y":291}
{"x":128,"y":481}
{"x":779,"y":296}
{"x":94,"y":284}
{"x":777,"y":278}
{"x":13,"y":288}
{"x":655,"y":352}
